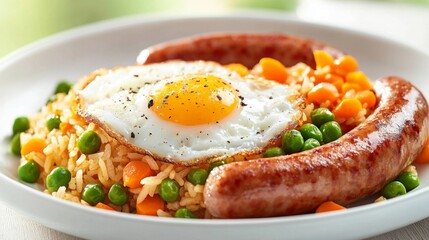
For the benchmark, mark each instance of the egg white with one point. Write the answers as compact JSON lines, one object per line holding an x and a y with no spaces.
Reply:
{"x":118,"y":101}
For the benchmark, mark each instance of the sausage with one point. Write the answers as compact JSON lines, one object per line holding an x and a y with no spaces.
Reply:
{"x":354,"y":166}
{"x":244,"y":48}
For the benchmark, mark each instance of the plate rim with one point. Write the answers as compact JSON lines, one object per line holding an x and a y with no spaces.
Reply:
{"x":109,"y":25}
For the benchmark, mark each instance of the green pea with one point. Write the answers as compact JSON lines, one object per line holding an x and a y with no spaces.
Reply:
{"x":215,"y":165}
{"x":394,"y":189}
{"x":93,"y":193}
{"x":310,"y":144}
{"x":197,"y":176}
{"x":21,"y":124}
{"x":320,"y":116}
{"x":331,"y":131}
{"x":117,"y":194}
{"x":292,"y":141}
{"x":410,"y":180}
{"x":57,"y":178}
{"x":15,"y":145}
{"x":184,"y":213}
{"x":63,"y":87}
{"x":89,"y":142}
{"x":169,"y":190}
{"x":29,"y":171}
{"x":310,"y":130}
{"x":53,"y":122}
{"x":273,"y":152}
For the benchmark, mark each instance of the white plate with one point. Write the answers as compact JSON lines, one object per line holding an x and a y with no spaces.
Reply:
{"x":28,"y":77}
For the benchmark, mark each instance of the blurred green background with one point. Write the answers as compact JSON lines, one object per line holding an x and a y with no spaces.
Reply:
{"x":24,"y":21}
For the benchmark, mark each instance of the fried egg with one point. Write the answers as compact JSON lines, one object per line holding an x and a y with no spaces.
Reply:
{"x":189,"y":112}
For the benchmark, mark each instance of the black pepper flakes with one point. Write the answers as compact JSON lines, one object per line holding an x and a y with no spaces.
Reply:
{"x":150,"y":103}
{"x":133,"y":135}
{"x":164,"y":101}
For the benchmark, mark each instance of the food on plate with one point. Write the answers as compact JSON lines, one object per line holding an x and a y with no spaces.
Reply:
{"x":329,"y":206}
{"x":356,"y":165}
{"x":251,"y":125}
{"x":424,"y":156}
{"x":189,"y":112}
{"x":244,"y":49}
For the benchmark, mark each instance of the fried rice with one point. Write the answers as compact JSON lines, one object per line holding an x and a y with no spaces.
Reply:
{"x":106,"y":166}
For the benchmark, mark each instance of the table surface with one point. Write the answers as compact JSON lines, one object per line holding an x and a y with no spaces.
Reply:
{"x":414,"y":31}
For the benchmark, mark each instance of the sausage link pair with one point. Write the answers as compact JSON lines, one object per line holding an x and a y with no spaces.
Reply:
{"x":355,"y":166}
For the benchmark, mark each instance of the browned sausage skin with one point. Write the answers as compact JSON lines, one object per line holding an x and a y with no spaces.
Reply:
{"x":244,"y":48}
{"x":356,"y":165}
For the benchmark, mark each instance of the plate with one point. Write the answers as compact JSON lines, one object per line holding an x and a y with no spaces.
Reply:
{"x":29,"y":75}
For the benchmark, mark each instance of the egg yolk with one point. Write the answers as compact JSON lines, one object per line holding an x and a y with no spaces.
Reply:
{"x":195,"y":100}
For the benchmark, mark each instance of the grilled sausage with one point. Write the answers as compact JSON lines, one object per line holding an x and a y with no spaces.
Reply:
{"x":246,"y":49}
{"x":354,"y":166}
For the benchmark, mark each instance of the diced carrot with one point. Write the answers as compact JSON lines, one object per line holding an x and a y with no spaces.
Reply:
{"x":424,"y":155}
{"x":33,"y":145}
{"x":65,"y":127}
{"x":346,"y":64}
{"x":348,"y":85}
{"x":349,"y":94}
{"x":273,"y":70}
{"x":322,"y":58}
{"x":348,"y":108}
{"x":104,"y":206}
{"x":336,"y":80}
{"x":338,"y":84}
{"x":150,"y":205}
{"x":239,"y":68}
{"x":359,"y":78}
{"x":134,"y":172}
{"x":321,"y":74}
{"x":368,"y":97}
{"x":323,"y":92}
{"x":329,"y":206}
